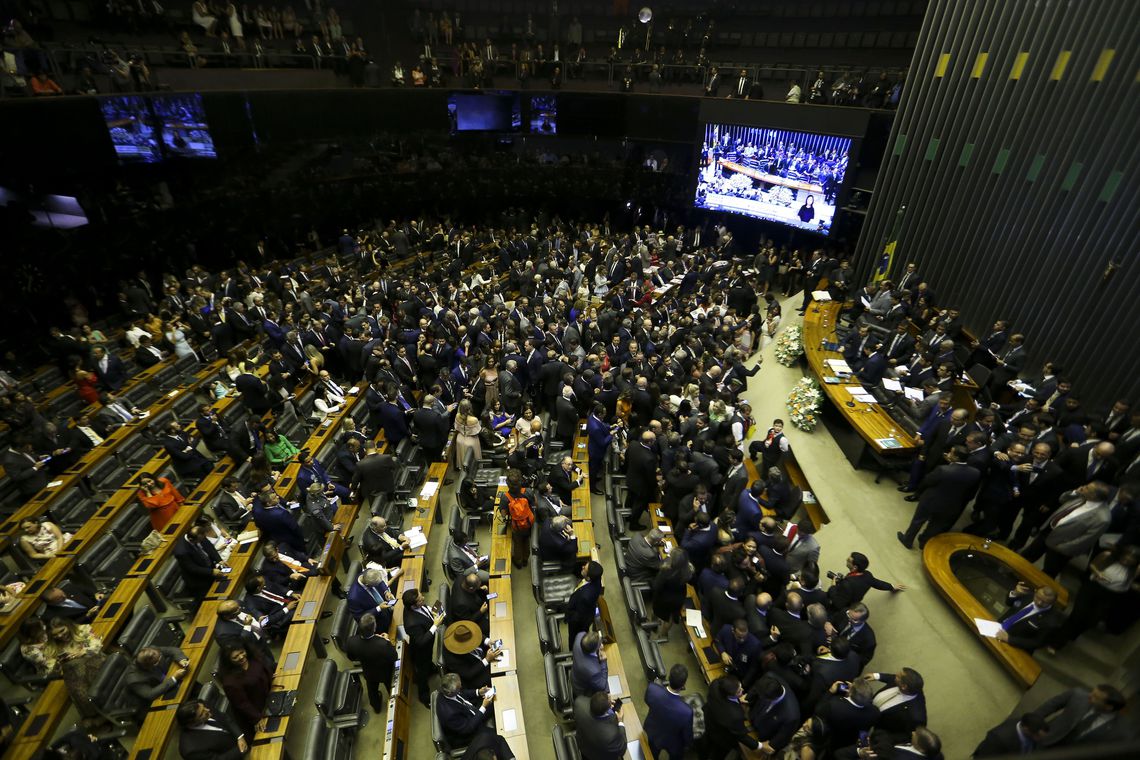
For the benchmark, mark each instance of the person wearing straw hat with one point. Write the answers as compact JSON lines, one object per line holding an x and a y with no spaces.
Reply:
{"x":467,"y":654}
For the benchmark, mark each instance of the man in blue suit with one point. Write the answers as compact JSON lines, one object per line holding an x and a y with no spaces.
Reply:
{"x":599,"y":437}
{"x":669,"y":724}
{"x":873,"y":366}
{"x":370,"y":594}
{"x":313,"y":471}
{"x":748,"y":512}
{"x":276,"y":523}
{"x":109,"y":369}
{"x":589,"y":672}
{"x":394,"y":421}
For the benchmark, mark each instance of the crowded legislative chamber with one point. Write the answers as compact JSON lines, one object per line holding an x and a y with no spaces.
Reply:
{"x":392,"y":379}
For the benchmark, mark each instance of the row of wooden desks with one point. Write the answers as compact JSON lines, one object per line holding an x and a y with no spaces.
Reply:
{"x":637,"y":746}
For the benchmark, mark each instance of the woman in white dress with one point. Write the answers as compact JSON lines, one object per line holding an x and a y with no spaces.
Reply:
{"x":601,"y":283}
{"x":200,"y":14}
{"x":176,"y":336}
{"x":236,"y":29}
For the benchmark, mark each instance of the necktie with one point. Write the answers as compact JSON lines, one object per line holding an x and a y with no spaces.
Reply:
{"x":1018,"y":616}
{"x":1094,"y":465}
{"x":1065,"y":512}
{"x":1084,"y":724}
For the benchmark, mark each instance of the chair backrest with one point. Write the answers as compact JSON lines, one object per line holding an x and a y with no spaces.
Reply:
{"x":980,"y":374}
{"x":325,"y":695}
{"x":343,"y":626}
{"x":316,"y":748}
{"x":135,"y":632}
{"x":214,"y":698}
{"x":650,"y":655}
{"x":108,"y":691}
{"x":437,"y":735}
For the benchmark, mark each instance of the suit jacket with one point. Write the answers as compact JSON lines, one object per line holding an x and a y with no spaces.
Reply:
{"x":70,"y":612}
{"x":562,"y":482}
{"x":905,"y":716}
{"x":462,"y":716}
{"x":642,"y":560}
{"x":375,"y":473}
{"x":115,"y":374}
{"x":641,"y":470}
{"x":254,"y":393}
{"x":554,"y":547}
{"x":947,"y":488}
{"x":724,"y":721}
{"x":466,"y":605}
{"x":279,"y":525}
{"x":863,"y":641}
{"x":430,"y":427}
{"x":216,"y":740}
{"x":1068,"y":709}
{"x":148,"y":684}
{"x":1002,"y":740}
{"x":1031,"y":632}
{"x":588,"y":673}
{"x":21,"y":471}
{"x":669,"y":723}
{"x":722,"y":609}
{"x":776,"y":723}
{"x":376,"y":655}
{"x":361,"y":601}
{"x":844,"y":720}
{"x":196,"y":562}
{"x":598,"y":738}
{"x":582,"y":605}
{"x":599,"y":437}
{"x":472,"y":671}
{"x":459,"y":560}
{"x":1078,"y":535}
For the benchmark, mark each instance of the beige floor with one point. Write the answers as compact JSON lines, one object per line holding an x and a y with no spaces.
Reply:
{"x":967,"y":692}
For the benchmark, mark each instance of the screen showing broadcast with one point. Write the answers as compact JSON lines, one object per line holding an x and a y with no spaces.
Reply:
{"x":774,"y":174}
{"x":184,"y":128}
{"x":484,"y":112}
{"x":132,"y":129}
{"x":544,"y":114}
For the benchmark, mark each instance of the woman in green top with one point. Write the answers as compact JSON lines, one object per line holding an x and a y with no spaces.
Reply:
{"x":278,"y":449}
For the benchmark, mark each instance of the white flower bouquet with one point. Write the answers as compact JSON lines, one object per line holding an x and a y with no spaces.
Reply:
{"x":804,"y":404}
{"x":789,"y":346}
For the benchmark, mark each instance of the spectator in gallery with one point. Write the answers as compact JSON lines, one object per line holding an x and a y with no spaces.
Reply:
{"x":42,"y":84}
{"x":793,"y":95}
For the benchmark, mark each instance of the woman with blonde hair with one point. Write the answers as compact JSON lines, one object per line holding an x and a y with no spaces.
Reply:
{"x":467,"y":430}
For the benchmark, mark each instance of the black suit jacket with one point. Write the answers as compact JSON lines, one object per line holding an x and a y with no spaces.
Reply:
{"x":207,"y":743}
{"x":68,"y":612}
{"x":1001,"y":740}
{"x":197,"y":567}
{"x":641,"y":470}
{"x":904,"y":717}
{"x":777,"y":724}
{"x":431,"y":428}
{"x":947,"y":488}
{"x":376,"y":655}
{"x":844,"y":720}
{"x":460,"y":721}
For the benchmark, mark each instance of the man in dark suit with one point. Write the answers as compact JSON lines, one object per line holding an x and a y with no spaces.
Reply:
{"x":599,"y":437}
{"x":1019,"y":736}
{"x":669,"y":723}
{"x":557,"y":542}
{"x":742,"y":85}
{"x":846,"y":715}
{"x":272,"y":605}
{"x":566,"y":417}
{"x":375,"y":474}
{"x":465,"y":655}
{"x":581,"y":607}
{"x":726,"y":606}
{"x":420,"y":624}
{"x":276,"y":523}
{"x":641,"y":477}
{"x":463,"y":713}
{"x":70,"y":603}
{"x":146,"y":355}
{"x":774,"y":713}
{"x":234,"y":623}
{"x":431,"y":429}
{"x":24,"y":468}
{"x":873,"y":365}
{"x":376,"y":656}
{"x":255,"y":394}
{"x":902,"y":704}
{"x":1031,"y":619}
{"x":469,"y":602}
{"x":182,"y":448}
{"x":724,"y":720}
{"x":110,"y":370}
{"x":942,"y":497}
{"x":382,"y":544}
{"x":899,"y":346}
{"x":214,"y":434}
{"x":851,"y":624}
{"x":146,"y":679}
{"x":347,"y":457}
{"x":1044,"y":482}
{"x":199,"y":564}
{"x":205,"y":736}
{"x":1082,"y":717}
{"x":933,"y":433}
{"x":600,"y":730}
{"x":369,"y":594}
{"x":565,"y":478}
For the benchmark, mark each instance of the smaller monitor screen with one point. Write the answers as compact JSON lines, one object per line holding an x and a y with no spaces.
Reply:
{"x":133,"y":133}
{"x":544,"y":114}
{"x":782,"y":176}
{"x":491,"y":111}
{"x":184,"y":128}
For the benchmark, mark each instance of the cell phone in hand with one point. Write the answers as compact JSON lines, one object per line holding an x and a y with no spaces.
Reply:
{"x":497,"y":644}
{"x":617,"y":704}
{"x":492,"y":595}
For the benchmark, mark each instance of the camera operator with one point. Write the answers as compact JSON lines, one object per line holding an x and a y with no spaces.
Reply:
{"x":850,"y":588}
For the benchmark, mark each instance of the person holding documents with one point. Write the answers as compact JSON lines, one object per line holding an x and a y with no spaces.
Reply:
{"x":1030,"y":619}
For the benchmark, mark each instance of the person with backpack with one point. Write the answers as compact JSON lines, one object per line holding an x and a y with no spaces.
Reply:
{"x":517,"y":508}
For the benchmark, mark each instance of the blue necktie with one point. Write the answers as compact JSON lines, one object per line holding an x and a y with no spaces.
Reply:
{"x":1017,"y":617}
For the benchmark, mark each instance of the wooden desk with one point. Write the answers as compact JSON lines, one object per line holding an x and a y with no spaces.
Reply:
{"x":509,"y":714}
{"x":870,"y":421}
{"x":710,"y":664}
{"x":40,"y":725}
{"x":616,"y":668}
{"x":426,"y":509}
{"x":501,"y":607}
{"x":771,"y":179}
{"x":936,"y":561}
{"x":587,"y":546}
{"x":290,"y":667}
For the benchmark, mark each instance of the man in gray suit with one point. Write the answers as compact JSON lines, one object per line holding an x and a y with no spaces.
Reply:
{"x":643,"y":558}
{"x":601,"y":732}
{"x":589,"y":672}
{"x":462,"y":560}
{"x":146,"y":679}
{"x":1073,"y":529}
{"x":1083,"y":717}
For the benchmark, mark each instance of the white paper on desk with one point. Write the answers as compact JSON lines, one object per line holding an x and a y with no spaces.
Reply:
{"x":664,"y":529}
{"x":55,"y":484}
{"x":354,"y":390}
{"x":504,"y":661}
{"x":693,"y":618}
{"x":247,"y":537}
{"x":416,"y":540}
{"x":914,"y":394}
{"x":510,"y":720}
{"x":500,"y":609}
{"x":429,"y":489}
{"x":988,"y":628}
{"x":634,"y":750}
{"x":412,"y":530}
{"x":892,"y":385}
{"x":615,"y":684}
{"x":821,"y":295}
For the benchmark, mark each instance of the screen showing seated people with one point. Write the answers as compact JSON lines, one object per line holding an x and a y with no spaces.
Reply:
{"x":132,"y":128}
{"x":774,"y":174}
{"x":544,"y":114}
{"x":184,"y":128}
{"x":491,"y":111}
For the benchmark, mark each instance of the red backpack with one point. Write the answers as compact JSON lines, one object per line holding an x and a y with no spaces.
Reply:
{"x":519,"y":511}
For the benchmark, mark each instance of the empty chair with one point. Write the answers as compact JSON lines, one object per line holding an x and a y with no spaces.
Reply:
{"x":107,"y":476}
{"x":169,"y":582}
{"x":616,"y":520}
{"x":340,"y":696}
{"x":130,"y":528}
{"x":214,"y":697}
{"x":549,"y":626}
{"x":635,"y":600}
{"x":343,"y":625}
{"x":72,"y":510}
{"x":327,"y":742}
{"x":106,"y":561}
{"x":559,"y":692}
{"x":147,"y":629}
{"x":650,"y":655}
{"x":136,"y":451}
{"x":565,"y":744}
{"x":108,"y":693}
{"x":551,"y":589}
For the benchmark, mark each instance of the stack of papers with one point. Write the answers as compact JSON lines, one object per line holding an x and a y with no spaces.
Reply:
{"x":861,"y":395}
{"x":416,"y":537}
{"x":821,"y":295}
{"x":988,"y":628}
{"x":247,"y":537}
{"x":429,"y":489}
{"x":888,"y":443}
{"x":809,"y":497}
{"x":614,"y":684}
{"x":694,"y":620}
{"x":838,"y":366}
{"x":914,"y":394}
{"x":892,"y":385}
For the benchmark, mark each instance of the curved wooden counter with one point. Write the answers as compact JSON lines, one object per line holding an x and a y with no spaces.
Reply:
{"x":936,"y":559}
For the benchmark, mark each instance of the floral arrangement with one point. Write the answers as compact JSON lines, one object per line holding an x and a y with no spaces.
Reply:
{"x":789,"y":346}
{"x":804,"y":403}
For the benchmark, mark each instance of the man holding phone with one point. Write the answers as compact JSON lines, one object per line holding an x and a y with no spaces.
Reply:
{"x":600,"y":726}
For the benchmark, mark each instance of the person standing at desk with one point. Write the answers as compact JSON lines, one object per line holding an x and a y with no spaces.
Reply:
{"x":669,"y":724}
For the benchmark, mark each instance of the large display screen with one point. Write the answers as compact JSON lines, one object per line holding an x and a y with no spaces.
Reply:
{"x":490,"y":111}
{"x":150,"y":128}
{"x":544,"y":114}
{"x":774,"y":174}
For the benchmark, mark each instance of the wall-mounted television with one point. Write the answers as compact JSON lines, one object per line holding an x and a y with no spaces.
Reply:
{"x":489,"y":111}
{"x":779,"y":175}
{"x":544,"y":114}
{"x":147,"y":129}
{"x":132,"y":128}
{"x":184,"y":128}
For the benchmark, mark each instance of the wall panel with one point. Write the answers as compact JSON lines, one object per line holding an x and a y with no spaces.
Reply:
{"x":1015,"y":153}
